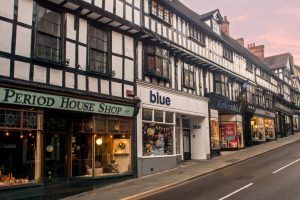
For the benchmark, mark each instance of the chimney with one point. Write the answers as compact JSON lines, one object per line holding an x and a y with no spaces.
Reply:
{"x":240,"y":41}
{"x":225,"y":26}
{"x":258,"y":51}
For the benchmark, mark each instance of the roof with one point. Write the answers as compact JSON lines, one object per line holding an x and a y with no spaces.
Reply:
{"x":277,"y":61}
{"x":210,"y":15}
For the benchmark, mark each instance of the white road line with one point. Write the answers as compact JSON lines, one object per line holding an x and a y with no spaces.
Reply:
{"x":236,"y":191}
{"x":285,"y":166}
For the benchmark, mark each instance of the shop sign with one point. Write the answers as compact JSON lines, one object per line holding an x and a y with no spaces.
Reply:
{"x":264,"y":113}
{"x":26,"y":98}
{"x":228,"y":132}
{"x":283,"y":108}
{"x":159,"y":99}
{"x":227,"y":106}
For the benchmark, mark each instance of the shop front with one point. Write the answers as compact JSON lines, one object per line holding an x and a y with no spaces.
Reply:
{"x":172,"y":126}
{"x":49,"y":138}
{"x":284,"y":120}
{"x":262,"y":126}
{"x":226,"y":125}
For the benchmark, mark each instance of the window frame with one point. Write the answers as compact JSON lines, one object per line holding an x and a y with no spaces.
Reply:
{"x":108,"y":72}
{"x":61,"y":38}
{"x":197,"y":36}
{"x":160,"y":15}
{"x":157,"y":57}
{"x":228,"y":53}
{"x":190,"y":70}
{"x":223,"y":82}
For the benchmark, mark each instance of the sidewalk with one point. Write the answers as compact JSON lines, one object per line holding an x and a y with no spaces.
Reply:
{"x":136,"y":188}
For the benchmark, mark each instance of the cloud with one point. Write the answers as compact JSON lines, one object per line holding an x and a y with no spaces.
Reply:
{"x":240,"y":18}
{"x":292,"y":12}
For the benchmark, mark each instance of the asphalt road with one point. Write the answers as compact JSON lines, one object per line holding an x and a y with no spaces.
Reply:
{"x":273,"y":176}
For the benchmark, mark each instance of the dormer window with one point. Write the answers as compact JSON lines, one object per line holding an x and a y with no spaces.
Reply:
{"x":160,"y":12}
{"x":228,"y":53}
{"x":216,"y":27}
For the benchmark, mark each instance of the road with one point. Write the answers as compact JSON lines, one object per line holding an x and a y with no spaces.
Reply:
{"x":274,"y":176}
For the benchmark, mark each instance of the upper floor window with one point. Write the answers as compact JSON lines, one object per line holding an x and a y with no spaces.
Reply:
{"x":98,"y":50}
{"x":249,"y":66}
{"x":161,"y":12}
{"x":197,"y":35}
{"x":188,"y":76}
{"x":228,"y":53}
{"x":265,"y":76}
{"x":157,"y":61}
{"x":221,"y":85}
{"x":48,"y":42}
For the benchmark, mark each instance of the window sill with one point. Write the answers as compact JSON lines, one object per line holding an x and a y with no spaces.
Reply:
{"x":49,"y":62}
{"x":189,"y":87}
{"x":230,"y":60}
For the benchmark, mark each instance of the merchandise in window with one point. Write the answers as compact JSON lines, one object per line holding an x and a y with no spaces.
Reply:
{"x":158,"y":132}
{"x":48,"y":35}
{"x":98,"y":50}
{"x":157,"y":61}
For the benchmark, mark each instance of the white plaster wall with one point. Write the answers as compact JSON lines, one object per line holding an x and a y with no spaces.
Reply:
{"x":7,"y":9}
{"x":25,"y":9}
{"x":140,"y":60}
{"x":39,"y":74}
{"x":69,"y":80}
{"x":109,"y":6}
{"x":137,"y":17}
{"x":117,"y":66}
{"x":23,"y":41}
{"x":117,"y":89}
{"x":200,"y":148}
{"x":71,"y":32}
{"x":104,"y":87}
{"x":4,"y":66}
{"x":82,"y":31}
{"x":22,"y":70}
{"x":81,"y":82}
{"x":56,"y":77}
{"x":70,"y":53}
{"x":6,"y":33}
{"x":129,"y":70}
{"x":119,"y":8}
{"x":98,"y":3}
{"x":82,"y":57}
{"x":129,"y":43}
{"x":93,"y":85}
{"x":117,"y":42}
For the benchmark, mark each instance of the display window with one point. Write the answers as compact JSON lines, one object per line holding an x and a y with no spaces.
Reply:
{"x":262,"y":129}
{"x":158,"y":132}
{"x":215,"y":137}
{"x":231,"y":135}
{"x":101,"y":147}
{"x":20,"y":143}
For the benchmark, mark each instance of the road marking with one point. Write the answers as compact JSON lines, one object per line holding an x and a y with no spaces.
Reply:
{"x":236,"y":191}
{"x":285,"y":166}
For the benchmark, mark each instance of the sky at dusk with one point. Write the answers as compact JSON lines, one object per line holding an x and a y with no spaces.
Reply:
{"x":273,"y":23}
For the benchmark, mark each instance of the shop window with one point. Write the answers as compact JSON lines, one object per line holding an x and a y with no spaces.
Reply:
{"x":157,"y":62}
{"x":158,"y":135}
{"x":104,"y":151}
{"x":48,"y":42}
{"x":20,"y":132}
{"x":258,"y":129}
{"x":231,"y":135}
{"x":147,"y":114}
{"x":98,"y":51}
{"x":215,"y":138}
{"x":188,"y":76}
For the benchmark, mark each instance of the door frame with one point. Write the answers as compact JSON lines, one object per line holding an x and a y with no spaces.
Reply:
{"x":187,"y":155}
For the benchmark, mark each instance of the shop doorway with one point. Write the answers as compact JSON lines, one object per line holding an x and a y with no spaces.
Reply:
{"x":186,"y":144}
{"x":55,"y":156}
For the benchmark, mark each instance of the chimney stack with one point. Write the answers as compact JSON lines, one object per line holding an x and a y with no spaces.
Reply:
{"x":258,"y":51}
{"x":241,"y":41}
{"x":225,"y":26}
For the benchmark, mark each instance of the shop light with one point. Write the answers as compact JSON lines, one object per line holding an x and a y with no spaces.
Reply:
{"x":7,"y":133}
{"x":21,"y":136}
{"x":99,"y":141}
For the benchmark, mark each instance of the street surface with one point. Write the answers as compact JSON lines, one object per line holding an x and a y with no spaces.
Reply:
{"x":274,"y":175}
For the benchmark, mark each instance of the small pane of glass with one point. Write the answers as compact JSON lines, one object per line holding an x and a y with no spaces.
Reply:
{"x":158,"y":116}
{"x":169,"y":117}
{"x":147,"y":114}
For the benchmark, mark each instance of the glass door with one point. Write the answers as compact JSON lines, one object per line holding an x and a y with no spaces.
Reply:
{"x":55,"y":154}
{"x":186,"y":145}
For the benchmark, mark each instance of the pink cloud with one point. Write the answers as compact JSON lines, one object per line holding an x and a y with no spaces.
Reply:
{"x":240,"y":18}
{"x":293,"y":12}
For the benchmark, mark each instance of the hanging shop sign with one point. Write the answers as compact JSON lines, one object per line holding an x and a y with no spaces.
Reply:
{"x":35,"y":99}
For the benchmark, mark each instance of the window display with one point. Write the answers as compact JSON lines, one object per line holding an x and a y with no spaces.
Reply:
{"x":215,"y":137}
{"x":262,"y":129}
{"x":269,"y":129}
{"x":20,"y":146}
{"x":232,"y":135}
{"x":158,"y":132}
{"x":105,"y":150}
